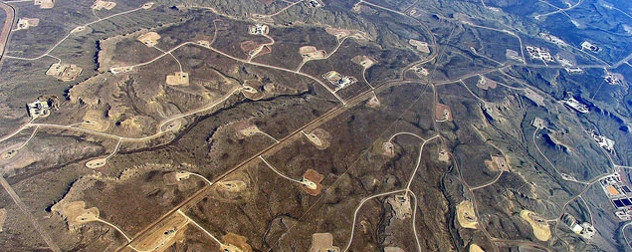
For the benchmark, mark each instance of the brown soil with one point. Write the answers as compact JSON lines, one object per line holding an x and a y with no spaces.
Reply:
{"x":234,"y":188}
{"x":465,"y":215}
{"x":498,"y":163}
{"x":363,"y":61}
{"x":3,"y":217}
{"x":162,"y":235}
{"x":476,"y":248}
{"x":322,"y":242}
{"x":320,"y":138}
{"x":401,"y":206}
{"x":389,"y":149}
{"x":443,"y":112}
{"x":315,"y":177}
{"x":149,"y":39}
{"x":178,"y":79}
{"x":257,"y":86}
{"x":311,"y":52}
{"x":485,"y":83}
{"x":95,"y":120}
{"x":248,"y":46}
{"x":245,"y":128}
{"x":373,"y":102}
{"x":237,"y":241}
{"x":76,"y":214}
{"x":541,"y":229}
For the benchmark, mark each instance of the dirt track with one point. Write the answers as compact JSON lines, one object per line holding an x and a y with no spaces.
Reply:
{"x":199,"y":195}
{"x":6,"y":29}
{"x":51,"y":244}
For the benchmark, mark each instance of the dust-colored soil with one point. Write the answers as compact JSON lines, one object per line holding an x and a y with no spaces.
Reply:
{"x":8,"y":154}
{"x":174,"y":178}
{"x":149,"y":39}
{"x":373,"y":102}
{"x":76,"y":214}
{"x":311,"y":52}
{"x":476,"y":248}
{"x":363,"y":61}
{"x":443,"y":112}
{"x":465,"y":215}
{"x":401,"y":206}
{"x":245,"y":129}
{"x":419,"y":45}
{"x":64,"y":72}
{"x":234,"y":188}
{"x":238,"y":241}
{"x":389,"y":149}
{"x":320,"y":138}
{"x":100,"y":4}
{"x":254,"y":89}
{"x":162,"y":235}
{"x":178,"y":79}
{"x":443,"y":156}
{"x":3,"y":217}
{"x":498,"y":163}
{"x":540,"y":227}
{"x":95,"y":120}
{"x":322,"y":242}
{"x":485,"y":83}
{"x":315,"y":177}
{"x":535,"y":97}
{"x":96,"y":163}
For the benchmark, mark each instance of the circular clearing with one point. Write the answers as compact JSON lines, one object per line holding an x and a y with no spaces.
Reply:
{"x":96,"y":163}
{"x":9,"y":154}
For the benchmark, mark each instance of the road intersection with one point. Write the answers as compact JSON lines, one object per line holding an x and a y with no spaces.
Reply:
{"x":165,"y":125}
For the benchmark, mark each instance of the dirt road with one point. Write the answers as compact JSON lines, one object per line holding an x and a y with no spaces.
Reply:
{"x":51,"y":245}
{"x":6,"y":29}
{"x":202,"y":193}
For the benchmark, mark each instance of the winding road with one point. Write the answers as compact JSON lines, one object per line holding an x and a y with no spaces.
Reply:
{"x":10,"y":14}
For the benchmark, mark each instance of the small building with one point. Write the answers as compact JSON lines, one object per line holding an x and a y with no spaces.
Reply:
{"x":258,"y":29}
{"x":38,"y":109}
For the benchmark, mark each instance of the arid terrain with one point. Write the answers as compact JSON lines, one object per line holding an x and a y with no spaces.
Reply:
{"x":315,"y":125}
